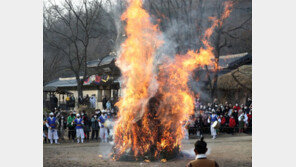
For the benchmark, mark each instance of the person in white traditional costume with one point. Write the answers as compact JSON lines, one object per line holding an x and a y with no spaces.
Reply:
{"x":103,"y":127}
{"x":92,"y":101}
{"x":51,"y":124}
{"x":212,"y":119}
{"x":186,"y":130}
{"x":79,"y":129}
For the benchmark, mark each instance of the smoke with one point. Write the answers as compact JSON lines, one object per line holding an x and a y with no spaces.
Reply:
{"x":191,"y":154}
{"x":167,"y":52}
{"x":198,"y":87}
{"x":164,"y":76}
{"x":105,"y":151}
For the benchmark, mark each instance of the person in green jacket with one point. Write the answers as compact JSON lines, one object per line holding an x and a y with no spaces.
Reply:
{"x":71,"y":126}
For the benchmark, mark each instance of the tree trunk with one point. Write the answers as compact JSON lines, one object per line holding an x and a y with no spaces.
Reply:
{"x":79,"y":88}
{"x":218,"y":50}
{"x":215,"y":80}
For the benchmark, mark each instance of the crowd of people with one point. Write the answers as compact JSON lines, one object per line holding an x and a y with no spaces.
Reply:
{"x":217,"y":117}
{"x":69,"y":102}
{"x":96,"y":124}
{"x":79,"y":126}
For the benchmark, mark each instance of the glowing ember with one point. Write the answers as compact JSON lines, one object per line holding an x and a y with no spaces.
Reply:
{"x":154,"y":107}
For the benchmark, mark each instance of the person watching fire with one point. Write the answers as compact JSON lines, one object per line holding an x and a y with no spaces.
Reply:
{"x":212,"y":119}
{"x":103,"y":127}
{"x":200,"y":149}
{"x":79,"y":129}
{"x":51,"y":124}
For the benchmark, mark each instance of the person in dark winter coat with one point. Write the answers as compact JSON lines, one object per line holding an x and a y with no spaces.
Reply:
{"x":63,"y":125}
{"x":235,"y":116}
{"x":86,"y":100}
{"x":53,"y":103}
{"x":87,"y":124}
{"x":199,"y":125}
{"x":104,"y":103}
{"x":94,"y":127}
{"x":249,"y":102}
{"x":72,"y":102}
{"x":249,"y":115}
{"x":45,"y":130}
{"x":241,"y":122}
{"x":80,"y":100}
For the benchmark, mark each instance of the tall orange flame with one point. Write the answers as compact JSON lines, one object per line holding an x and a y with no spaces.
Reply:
{"x":136,"y":64}
{"x":154,"y":107}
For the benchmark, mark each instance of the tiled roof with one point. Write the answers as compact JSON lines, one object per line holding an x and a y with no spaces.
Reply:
{"x":106,"y":60}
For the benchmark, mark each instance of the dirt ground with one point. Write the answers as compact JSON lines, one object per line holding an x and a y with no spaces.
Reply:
{"x":227,"y":150}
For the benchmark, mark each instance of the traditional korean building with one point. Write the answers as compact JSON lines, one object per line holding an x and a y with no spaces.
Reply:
{"x":234,"y":80}
{"x":102,"y":81}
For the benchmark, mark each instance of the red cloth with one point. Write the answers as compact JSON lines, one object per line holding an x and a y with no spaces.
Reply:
{"x":223,"y":120}
{"x":236,"y":108}
{"x":249,"y":117}
{"x":232,"y":122}
{"x":98,"y":79}
{"x":86,"y":81}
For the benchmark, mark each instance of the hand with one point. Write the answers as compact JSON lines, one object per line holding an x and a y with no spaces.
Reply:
{"x":49,"y":128}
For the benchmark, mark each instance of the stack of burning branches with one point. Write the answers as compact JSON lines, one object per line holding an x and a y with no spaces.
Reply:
{"x":156,"y":101}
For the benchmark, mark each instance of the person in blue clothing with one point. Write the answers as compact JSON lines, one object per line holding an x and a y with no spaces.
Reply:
{"x":103,"y":129}
{"x":213,"y":118}
{"x":108,"y":104}
{"x":51,"y":124}
{"x":79,"y":129}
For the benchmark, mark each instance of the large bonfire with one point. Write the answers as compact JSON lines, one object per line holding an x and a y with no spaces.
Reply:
{"x":156,"y":100}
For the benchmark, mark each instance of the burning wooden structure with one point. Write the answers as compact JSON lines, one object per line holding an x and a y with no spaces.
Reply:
{"x":156,"y":101}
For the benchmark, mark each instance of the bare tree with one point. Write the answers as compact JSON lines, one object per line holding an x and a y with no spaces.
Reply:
{"x":71,"y":28}
{"x":185,"y":21}
{"x":222,"y":38}
{"x":180,"y":20}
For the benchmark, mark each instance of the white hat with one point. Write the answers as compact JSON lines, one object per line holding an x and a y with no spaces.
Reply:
{"x":51,"y":113}
{"x":213,"y":110}
{"x":77,"y":115}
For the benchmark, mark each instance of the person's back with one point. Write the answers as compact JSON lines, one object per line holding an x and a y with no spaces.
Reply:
{"x":203,"y":162}
{"x":200,"y":149}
